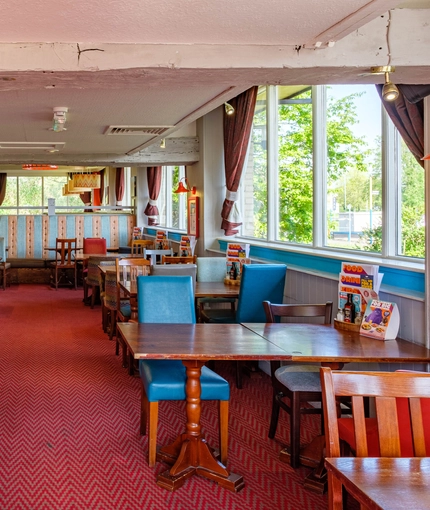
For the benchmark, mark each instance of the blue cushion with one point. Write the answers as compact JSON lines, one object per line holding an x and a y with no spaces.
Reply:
{"x":165,"y":380}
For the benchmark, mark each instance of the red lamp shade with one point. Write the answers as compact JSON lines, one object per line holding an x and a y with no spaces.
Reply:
{"x":425,"y":157}
{"x":185,"y":188}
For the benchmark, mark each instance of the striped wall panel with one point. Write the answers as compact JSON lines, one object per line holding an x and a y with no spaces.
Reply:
{"x":27,"y":236}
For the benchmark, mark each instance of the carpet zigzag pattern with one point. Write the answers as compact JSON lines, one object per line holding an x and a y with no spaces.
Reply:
{"x":69,"y":422}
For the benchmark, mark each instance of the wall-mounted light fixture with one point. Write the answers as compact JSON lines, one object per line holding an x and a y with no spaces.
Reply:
{"x":229,"y":110}
{"x":426,"y":158}
{"x":59,"y":120}
{"x":184,"y":187}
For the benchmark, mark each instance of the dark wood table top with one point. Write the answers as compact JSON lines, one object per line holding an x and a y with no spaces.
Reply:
{"x":382,"y":483}
{"x":320,"y":343}
{"x":197,"y":341}
{"x":203,"y":289}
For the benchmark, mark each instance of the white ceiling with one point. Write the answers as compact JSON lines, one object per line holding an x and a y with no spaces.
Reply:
{"x":166,"y":63}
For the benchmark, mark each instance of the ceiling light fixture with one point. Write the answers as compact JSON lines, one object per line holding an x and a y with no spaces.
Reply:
{"x":229,"y":110}
{"x":59,"y":120}
{"x":185,"y":188}
{"x":39,"y":167}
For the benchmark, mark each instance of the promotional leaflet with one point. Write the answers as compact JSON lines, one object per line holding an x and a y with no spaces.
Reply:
{"x":237,"y":255}
{"x":381,"y":320}
{"x":187,"y":245}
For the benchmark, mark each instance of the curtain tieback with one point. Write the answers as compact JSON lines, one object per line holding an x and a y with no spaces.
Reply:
{"x":152,"y":202}
{"x":231,"y":195}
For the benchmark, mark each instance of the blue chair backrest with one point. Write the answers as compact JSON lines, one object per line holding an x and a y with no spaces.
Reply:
{"x":258,"y":283}
{"x":168,"y":299}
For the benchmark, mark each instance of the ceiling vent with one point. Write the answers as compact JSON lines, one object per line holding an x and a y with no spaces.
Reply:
{"x":32,"y":146}
{"x":137,"y":130}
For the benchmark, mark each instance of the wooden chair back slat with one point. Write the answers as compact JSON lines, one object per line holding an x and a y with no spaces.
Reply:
{"x":417,"y":427}
{"x":359,"y":425}
{"x":65,"y":251}
{"x":389,"y":434}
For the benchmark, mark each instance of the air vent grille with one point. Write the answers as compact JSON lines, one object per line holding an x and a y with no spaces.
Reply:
{"x":137,"y":130}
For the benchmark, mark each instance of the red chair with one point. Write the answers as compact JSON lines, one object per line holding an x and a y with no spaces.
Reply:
{"x":95,"y":245}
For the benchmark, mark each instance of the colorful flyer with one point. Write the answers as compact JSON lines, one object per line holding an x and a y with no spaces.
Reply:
{"x":381,"y":320}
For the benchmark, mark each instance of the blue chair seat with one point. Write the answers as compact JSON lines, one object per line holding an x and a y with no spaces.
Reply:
{"x":166,"y":379}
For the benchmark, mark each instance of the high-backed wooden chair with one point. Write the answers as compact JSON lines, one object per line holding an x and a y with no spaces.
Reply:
{"x":127,"y":269}
{"x":299,"y":383}
{"x":93,"y":279}
{"x":166,"y":259}
{"x":138,"y":246}
{"x":170,"y":299}
{"x":400,"y":428}
{"x":64,"y":263}
{"x":4,"y":265}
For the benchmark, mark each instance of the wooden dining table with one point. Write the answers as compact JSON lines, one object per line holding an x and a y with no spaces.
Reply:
{"x":381,"y":483}
{"x":195,"y":344}
{"x":318,"y":343}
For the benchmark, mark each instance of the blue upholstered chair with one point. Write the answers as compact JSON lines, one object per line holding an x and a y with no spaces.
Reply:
{"x":170,"y":299}
{"x":258,"y":283}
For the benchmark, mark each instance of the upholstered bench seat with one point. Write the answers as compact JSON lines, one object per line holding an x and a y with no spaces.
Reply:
{"x":166,"y":379}
{"x":27,"y":263}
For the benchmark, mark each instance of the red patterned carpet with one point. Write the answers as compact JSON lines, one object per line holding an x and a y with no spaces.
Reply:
{"x":69,"y":422}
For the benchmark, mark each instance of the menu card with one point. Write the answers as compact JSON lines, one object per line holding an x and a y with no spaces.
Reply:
{"x":381,"y":320}
{"x":237,"y":255}
{"x":187,"y":245}
{"x":161,"y":241}
{"x":137,"y":233}
{"x":361,"y":280}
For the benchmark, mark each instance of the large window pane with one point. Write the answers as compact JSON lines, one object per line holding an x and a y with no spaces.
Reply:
{"x":354,"y":201}
{"x":254,"y":178}
{"x":30,"y":194}
{"x":412,"y":229}
{"x":295,"y":175}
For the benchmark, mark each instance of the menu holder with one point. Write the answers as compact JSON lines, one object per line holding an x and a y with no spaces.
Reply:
{"x":381,"y":320}
{"x":346,"y":326}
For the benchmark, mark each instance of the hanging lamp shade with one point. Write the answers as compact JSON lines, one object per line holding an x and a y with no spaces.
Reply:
{"x":185,"y":188}
{"x":72,"y":189}
{"x":91,"y":181}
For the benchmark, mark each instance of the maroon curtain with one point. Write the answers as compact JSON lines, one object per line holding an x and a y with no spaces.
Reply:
{"x":154,"y":184}
{"x":409,"y":120}
{"x":119,"y":184}
{"x":102,"y":184}
{"x":3,"y":181}
{"x":237,"y":129}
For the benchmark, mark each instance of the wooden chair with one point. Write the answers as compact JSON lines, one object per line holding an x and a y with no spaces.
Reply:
{"x":127,"y":269}
{"x":400,"y":428}
{"x":4,"y":265}
{"x":166,"y":259}
{"x":299,"y":383}
{"x":170,"y":299}
{"x":64,"y":263}
{"x":138,"y":246}
{"x":93,"y":279}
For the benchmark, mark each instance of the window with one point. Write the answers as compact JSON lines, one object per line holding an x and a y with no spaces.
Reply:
{"x":324,"y":164}
{"x":29,"y":195}
{"x":171,"y":205}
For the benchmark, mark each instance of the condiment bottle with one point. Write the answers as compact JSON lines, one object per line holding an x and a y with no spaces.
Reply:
{"x":340,"y":315}
{"x":349,"y":310}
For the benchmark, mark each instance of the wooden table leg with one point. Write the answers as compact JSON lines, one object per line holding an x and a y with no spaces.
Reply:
{"x":190,"y":454}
